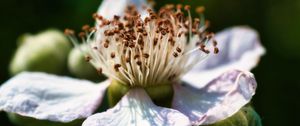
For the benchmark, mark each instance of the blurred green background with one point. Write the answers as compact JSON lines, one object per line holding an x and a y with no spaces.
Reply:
{"x":278,"y":22}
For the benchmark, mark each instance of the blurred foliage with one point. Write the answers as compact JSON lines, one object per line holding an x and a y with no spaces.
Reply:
{"x":277,"y":21}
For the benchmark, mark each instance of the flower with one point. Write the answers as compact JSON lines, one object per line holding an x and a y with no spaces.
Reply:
{"x":149,"y":54}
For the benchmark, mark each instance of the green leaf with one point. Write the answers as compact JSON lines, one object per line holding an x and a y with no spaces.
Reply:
{"x":245,"y":117}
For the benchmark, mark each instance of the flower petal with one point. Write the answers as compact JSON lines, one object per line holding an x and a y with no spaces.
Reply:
{"x":109,"y":8}
{"x":218,"y":100}
{"x":136,"y":108}
{"x":240,"y":48}
{"x":49,"y":97}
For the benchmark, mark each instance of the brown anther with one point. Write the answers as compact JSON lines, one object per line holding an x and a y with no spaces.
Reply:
{"x":112,"y":55}
{"x":105,"y":45}
{"x":100,"y":17}
{"x":120,"y":25}
{"x":95,"y":15}
{"x":146,"y":55}
{"x":178,"y":49}
{"x":116,"y":67}
{"x":145,"y":33}
{"x":116,"y":31}
{"x":85,"y":28}
{"x":95,"y":47}
{"x":155,"y":41}
{"x":92,"y":29}
{"x":179,"y":35}
{"x":187,"y":7}
{"x":202,"y":46}
{"x":170,"y":6}
{"x":116,"y":17}
{"x":139,"y":62}
{"x":200,"y":9}
{"x":175,"y":54}
{"x":140,"y":41}
{"x":81,"y":34}
{"x":69,"y":32}
{"x":88,"y":58}
{"x":99,"y":71}
{"x":171,"y":41}
{"x":131,"y":44}
{"x":136,"y":56}
{"x":216,"y":50}
{"x":149,"y":10}
{"x":179,"y":6}
{"x":215,"y":43}
{"x":127,"y":59}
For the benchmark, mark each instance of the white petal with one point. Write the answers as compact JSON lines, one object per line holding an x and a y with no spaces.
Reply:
{"x":240,"y":48}
{"x":109,"y":8}
{"x":218,"y":100}
{"x":49,"y":97}
{"x":137,"y":109}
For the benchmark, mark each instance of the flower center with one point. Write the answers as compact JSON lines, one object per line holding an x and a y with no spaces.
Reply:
{"x":150,"y":51}
{"x":161,"y":94}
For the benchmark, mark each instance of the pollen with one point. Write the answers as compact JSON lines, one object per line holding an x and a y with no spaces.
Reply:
{"x":156,"y":49}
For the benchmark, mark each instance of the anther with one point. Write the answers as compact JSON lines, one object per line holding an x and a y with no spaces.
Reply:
{"x":146,"y":55}
{"x":105,"y":45}
{"x":216,"y":50}
{"x":175,"y":54}
{"x":112,"y":55}
{"x":178,"y":49}
{"x":99,"y":71}
{"x":86,"y":28}
{"x":200,"y":9}
{"x":116,"y":67}
{"x":215,"y":43}
{"x":136,"y":56}
{"x":179,"y":6}
{"x":88,"y":58}
{"x":81,"y":34}
{"x":116,"y":17}
{"x":139,"y":62}
{"x":127,"y":59}
{"x":187,"y":7}
{"x":69,"y":32}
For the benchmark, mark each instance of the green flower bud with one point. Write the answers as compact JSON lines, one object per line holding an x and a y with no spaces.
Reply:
{"x":245,"y":117}
{"x":161,"y":95}
{"x":80,"y":68}
{"x":46,"y":51}
{"x":19,"y":120}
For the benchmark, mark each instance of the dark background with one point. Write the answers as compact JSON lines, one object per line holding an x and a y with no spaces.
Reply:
{"x":278,"y":22}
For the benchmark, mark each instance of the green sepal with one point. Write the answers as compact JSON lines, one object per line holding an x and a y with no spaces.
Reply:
{"x":19,"y":120}
{"x":161,"y":95}
{"x":246,"y":116}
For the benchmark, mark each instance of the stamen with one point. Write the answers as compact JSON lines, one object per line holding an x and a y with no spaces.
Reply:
{"x":144,"y":52}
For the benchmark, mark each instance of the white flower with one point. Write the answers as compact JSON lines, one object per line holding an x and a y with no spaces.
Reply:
{"x":142,"y":51}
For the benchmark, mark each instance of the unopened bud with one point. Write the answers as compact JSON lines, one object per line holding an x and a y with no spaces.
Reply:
{"x":46,"y":51}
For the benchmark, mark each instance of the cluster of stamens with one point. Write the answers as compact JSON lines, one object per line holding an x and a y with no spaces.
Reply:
{"x":157,"y":49}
